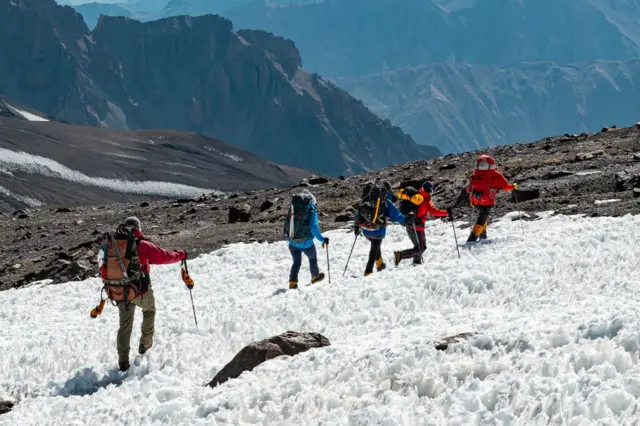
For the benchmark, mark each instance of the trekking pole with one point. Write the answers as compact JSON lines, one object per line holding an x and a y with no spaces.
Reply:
{"x":188,"y":281}
{"x":328,"y":264}
{"x":454,"y":234}
{"x":352,"y":247}
{"x":520,"y":211}
{"x":415,"y":231}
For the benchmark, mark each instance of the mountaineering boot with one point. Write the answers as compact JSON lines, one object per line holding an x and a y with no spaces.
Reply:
{"x":142,"y":349}
{"x":366,"y":274}
{"x":123,"y":366}
{"x":317,"y":278}
{"x":380,"y":265}
{"x":475,"y":233}
{"x":293,"y":285}
{"x":397,"y":257}
{"x":483,"y":234}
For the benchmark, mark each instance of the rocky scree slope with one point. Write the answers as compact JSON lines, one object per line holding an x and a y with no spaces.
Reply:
{"x":461,"y":107}
{"x":192,"y":74}
{"x":594,"y":174}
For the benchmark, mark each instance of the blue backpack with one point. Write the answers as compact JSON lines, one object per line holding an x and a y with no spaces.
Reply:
{"x":298,"y":220}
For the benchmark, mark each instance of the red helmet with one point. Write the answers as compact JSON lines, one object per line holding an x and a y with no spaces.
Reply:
{"x":485,"y":162}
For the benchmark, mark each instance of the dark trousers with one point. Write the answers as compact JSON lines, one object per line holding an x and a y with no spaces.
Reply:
{"x":375,"y":253}
{"x":419,"y":246}
{"x":296,"y":254}
{"x":479,"y":230}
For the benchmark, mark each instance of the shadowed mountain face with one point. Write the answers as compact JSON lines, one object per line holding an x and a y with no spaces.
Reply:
{"x":191,"y":74}
{"x":48,"y":162}
{"x":461,"y":107}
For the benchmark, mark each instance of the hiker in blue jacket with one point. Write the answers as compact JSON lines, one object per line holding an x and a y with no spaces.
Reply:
{"x":375,"y":236}
{"x":301,"y":226}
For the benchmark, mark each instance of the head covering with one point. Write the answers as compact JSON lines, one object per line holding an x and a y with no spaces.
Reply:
{"x":428,"y":187}
{"x":485,"y":162}
{"x":133,"y":221}
{"x":306,"y":193}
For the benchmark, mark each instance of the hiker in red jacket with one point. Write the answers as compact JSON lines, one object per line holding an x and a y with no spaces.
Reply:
{"x":481,"y":189}
{"x":148,"y":254}
{"x":417,"y":205}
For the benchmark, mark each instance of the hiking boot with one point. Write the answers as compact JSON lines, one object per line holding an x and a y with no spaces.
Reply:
{"x":142,"y":349}
{"x":293,"y":285}
{"x":380,"y":265}
{"x":366,"y":274}
{"x":124,"y":366}
{"x":317,"y":278}
{"x":397,"y":257}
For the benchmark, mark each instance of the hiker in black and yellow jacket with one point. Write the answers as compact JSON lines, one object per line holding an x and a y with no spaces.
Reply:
{"x":416,"y":204}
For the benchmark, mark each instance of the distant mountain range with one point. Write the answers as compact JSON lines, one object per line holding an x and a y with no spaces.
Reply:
{"x":461,"y":107}
{"x":193,"y":74}
{"x":464,"y":74}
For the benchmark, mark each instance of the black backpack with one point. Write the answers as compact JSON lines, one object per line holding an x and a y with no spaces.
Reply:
{"x":407,"y":206}
{"x":372,"y":210}
{"x":298,"y":220}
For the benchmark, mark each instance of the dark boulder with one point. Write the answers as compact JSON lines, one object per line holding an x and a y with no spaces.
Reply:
{"x":240,"y":213}
{"x":523,"y":195}
{"x":556,"y":174}
{"x":443,"y":344}
{"x":626,"y":181}
{"x":266,"y":205}
{"x":290,"y":343}
{"x":5,"y":407}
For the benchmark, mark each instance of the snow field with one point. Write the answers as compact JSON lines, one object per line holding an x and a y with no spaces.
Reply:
{"x":555,"y":309}
{"x":11,"y":161}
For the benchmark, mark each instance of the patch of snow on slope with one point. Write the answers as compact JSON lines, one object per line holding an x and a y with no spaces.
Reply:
{"x":27,"y":115}
{"x":557,"y":319}
{"x":224,"y":154}
{"x":34,"y":164}
{"x":31,"y":202}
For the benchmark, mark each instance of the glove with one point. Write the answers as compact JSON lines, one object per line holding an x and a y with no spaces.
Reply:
{"x":182,"y":254}
{"x":188,"y":281}
{"x":325,"y":243}
{"x":515,"y":186}
{"x":356,"y":230}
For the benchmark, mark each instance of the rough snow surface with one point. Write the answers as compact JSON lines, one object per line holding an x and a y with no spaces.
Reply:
{"x":556,"y":309}
{"x":34,"y":164}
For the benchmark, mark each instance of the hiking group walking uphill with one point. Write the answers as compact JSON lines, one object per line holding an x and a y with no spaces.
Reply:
{"x":594,"y":174}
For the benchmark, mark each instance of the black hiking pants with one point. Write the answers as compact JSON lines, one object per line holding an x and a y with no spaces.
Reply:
{"x":375,"y":253}
{"x":479,"y":230}
{"x":419,"y":246}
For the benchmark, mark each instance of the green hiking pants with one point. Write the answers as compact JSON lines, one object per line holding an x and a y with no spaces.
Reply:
{"x":147,"y":303}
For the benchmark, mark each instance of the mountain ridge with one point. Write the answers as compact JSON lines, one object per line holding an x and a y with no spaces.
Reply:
{"x":193,"y":74}
{"x":461,"y":107}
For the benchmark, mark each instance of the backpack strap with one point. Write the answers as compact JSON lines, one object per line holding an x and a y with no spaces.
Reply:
{"x":116,"y":248}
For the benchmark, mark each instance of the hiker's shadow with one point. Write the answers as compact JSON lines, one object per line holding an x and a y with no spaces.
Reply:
{"x":87,"y":382}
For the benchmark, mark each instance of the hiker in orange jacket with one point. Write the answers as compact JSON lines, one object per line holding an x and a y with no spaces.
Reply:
{"x":418,"y":206}
{"x":482,"y":188}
